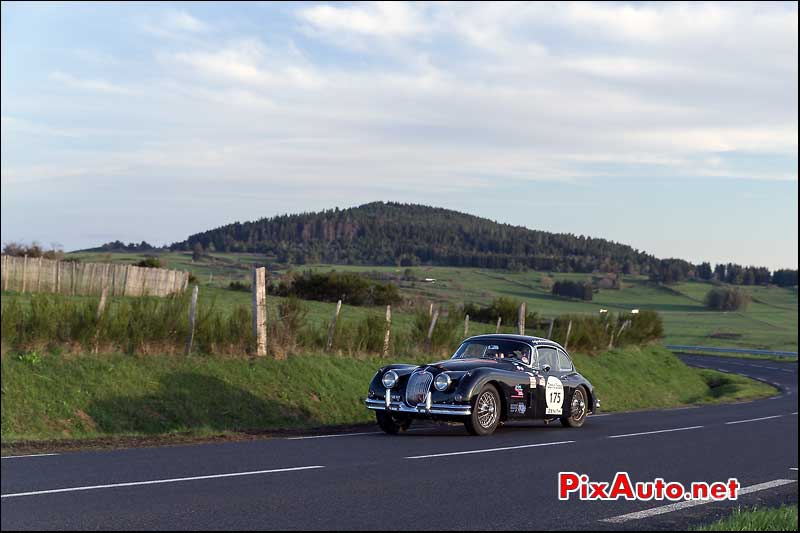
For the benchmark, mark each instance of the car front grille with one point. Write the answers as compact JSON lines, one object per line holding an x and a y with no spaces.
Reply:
{"x":418,"y":386}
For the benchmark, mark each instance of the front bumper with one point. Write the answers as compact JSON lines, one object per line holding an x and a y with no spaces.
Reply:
{"x":421,"y":409}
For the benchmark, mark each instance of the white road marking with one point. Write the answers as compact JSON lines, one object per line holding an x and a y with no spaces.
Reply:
{"x":655,"y":511}
{"x":793,"y":468}
{"x":156,"y":482}
{"x":753,"y":419}
{"x":33,"y":455}
{"x":653,"y":432}
{"x":336,"y":435}
{"x":491,"y":449}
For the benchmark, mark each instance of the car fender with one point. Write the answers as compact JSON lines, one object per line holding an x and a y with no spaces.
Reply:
{"x":471,"y":384}
{"x":583,"y":382}
{"x":403,"y":371}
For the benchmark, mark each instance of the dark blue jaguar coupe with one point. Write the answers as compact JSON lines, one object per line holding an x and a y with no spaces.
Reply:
{"x":489,"y":380}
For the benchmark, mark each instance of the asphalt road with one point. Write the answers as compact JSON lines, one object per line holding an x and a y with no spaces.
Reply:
{"x":424,"y":479}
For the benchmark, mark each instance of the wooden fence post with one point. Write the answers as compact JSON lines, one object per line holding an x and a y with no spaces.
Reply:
{"x":332,"y":328}
{"x":125,"y":280}
{"x":24,"y":273}
{"x":72,"y":279}
{"x":434,"y":318}
{"x":114,"y":280}
{"x":387,"y":336}
{"x":550,"y":329}
{"x":101,"y":307}
{"x":260,"y":311}
{"x":141,"y":274}
{"x":499,"y":321}
{"x":521,"y":319}
{"x":5,"y":272}
{"x":106,"y":268}
{"x":466,"y":326}
{"x":39,"y":274}
{"x":192,"y":310}
{"x":430,"y":310}
{"x":566,"y":337}
{"x":88,"y":273}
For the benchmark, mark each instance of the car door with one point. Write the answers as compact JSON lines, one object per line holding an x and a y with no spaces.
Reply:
{"x":521,"y":393}
{"x":556,"y":382}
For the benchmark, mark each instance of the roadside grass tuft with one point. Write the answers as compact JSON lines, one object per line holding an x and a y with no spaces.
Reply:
{"x":780,"y":519}
{"x":730,"y":387}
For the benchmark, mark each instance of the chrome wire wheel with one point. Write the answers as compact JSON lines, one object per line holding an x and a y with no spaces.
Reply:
{"x":487,"y":409}
{"x":578,"y":409}
{"x":578,"y":406}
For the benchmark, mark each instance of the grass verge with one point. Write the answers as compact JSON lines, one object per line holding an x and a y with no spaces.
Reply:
{"x":776,"y":358}
{"x":51,"y":397}
{"x":780,"y":519}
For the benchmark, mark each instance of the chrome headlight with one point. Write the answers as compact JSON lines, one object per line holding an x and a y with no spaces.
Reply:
{"x":442,"y":382}
{"x":389,"y":379}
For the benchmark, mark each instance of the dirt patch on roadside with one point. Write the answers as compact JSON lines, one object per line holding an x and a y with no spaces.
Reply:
{"x":108,"y":443}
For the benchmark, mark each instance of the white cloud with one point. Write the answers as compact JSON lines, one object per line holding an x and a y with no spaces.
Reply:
{"x":373,"y":19}
{"x":91,"y":85}
{"x":248,"y":62}
{"x":174,"y":25}
{"x":182,"y":20}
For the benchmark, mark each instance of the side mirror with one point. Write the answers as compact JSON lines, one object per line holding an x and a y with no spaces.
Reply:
{"x":546,"y":368}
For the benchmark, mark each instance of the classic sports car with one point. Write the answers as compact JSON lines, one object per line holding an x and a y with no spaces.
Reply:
{"x":489,"y":380}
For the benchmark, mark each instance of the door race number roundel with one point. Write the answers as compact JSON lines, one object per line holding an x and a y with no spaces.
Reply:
{"x":554,"y":392}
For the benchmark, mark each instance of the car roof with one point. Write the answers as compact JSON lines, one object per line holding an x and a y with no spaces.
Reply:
{"x":509,"y":337}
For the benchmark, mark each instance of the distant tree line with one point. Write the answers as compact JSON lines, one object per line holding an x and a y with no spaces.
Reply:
{"x":581,"y":290}
{"x":119,"y":246}
{"x":34,"y":249}
{"x":349,"y":287}
{"x":785,"y":277}
{"x":677,"y":270}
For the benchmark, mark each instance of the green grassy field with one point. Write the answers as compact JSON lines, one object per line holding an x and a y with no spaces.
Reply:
{"x":111,"y":395}
{"x":781,"y":519}
{"x":770,"y":321}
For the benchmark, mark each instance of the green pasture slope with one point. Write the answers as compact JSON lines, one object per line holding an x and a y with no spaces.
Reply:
{"x":770,"y":322}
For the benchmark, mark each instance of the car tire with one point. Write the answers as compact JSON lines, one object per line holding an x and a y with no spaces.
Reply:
{"x":486,"y":412}
{"x":392,"y":424}
{"x":578,"y":409}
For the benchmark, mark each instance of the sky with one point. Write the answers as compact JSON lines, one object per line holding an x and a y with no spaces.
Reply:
{"x":671,"y":127}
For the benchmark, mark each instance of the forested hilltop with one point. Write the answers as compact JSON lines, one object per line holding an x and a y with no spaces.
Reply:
{"x":406,"y":234}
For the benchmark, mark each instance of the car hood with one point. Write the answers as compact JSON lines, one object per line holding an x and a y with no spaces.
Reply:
{"x":465,"y":365}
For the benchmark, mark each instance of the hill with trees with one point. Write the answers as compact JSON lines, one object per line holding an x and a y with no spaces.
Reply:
{"x":406,"y":234}
{"x":389,"y":233}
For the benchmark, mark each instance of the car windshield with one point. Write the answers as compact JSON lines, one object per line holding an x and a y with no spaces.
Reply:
{"x":494,"y":349}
